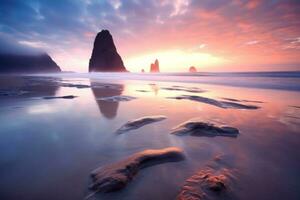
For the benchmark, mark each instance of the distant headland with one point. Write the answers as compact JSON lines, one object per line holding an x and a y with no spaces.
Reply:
{"x":27,"y":63}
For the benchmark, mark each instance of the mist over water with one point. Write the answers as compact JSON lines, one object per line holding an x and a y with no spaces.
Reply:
{"x":289,"y":80}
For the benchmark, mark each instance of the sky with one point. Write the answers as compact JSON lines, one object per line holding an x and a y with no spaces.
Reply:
{"x":212,"y":35}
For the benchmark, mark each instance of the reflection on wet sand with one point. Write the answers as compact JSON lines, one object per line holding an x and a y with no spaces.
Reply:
{"x":27,"y":87}
{"x":107,"y":108}
{"x":154,"y":88}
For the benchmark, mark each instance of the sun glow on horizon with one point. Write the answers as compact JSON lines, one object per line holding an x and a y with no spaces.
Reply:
{"x":174,"y":61}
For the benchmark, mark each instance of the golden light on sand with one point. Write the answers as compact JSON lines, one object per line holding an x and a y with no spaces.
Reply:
{"x":174,"y":59}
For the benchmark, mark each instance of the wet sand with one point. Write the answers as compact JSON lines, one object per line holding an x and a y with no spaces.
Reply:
{"x":50,"y":142}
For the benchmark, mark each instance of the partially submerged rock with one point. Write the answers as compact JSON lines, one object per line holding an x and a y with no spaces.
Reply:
{"x":78,"y":86}
{"x":117,"y":98}
{"x":184,"y":89}
{"x":242,"y":100}
{"x":12,"y":93}
{"x":116,"y":176}
{"x":220,"y":104}
{"x":207,"y":185}
{"x":142,"y":90}
{"x":137,"y":123}
{"x":61,"y":97}
{"x":199,"y":128}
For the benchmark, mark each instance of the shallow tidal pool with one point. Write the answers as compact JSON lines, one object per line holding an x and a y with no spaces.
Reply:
{"x":49,"y":146}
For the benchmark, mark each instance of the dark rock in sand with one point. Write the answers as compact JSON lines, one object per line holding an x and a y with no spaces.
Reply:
{"x":116,"y":176}
{"x":138,"y":123}
{"x":142,"y":90}
{"x":192,"y":69}
{"x":220,"y":104}
{"x":72,"y":85}
{"x":105,"y":57}
{"x":184,"y":89}
{"x":207,"y":185}
{"x":295,"y":106}
{"x":61,"y":97}
{"x":12,"y":93}
{"x":117,"y":98}
{"x":199,"y":128}
{"x":242,"y":100}
{"x":154,"y":67}
{"x":39,"y":63}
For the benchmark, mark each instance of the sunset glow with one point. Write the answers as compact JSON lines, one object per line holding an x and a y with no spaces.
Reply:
{"x":211,"y":35}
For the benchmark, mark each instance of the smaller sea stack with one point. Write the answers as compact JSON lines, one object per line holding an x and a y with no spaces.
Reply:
{"x":154,"y":67}
{"x":192,"y":69}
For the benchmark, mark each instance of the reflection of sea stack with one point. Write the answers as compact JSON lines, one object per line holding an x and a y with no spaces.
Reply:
{"x":14,"y":63}
{"x":107,"y":108}
{"x":105,"y":57}
{"x":154,"y":66}
{"x":192,"y":69}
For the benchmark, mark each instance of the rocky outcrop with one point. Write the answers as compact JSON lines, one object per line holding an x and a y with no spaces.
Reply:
{"x":199,"y":128}
{"x":154,"y":67}
{"x":37,"y":63}
{"x":116,"y":176}
{"x":207,"y":185}
{"x":105,"y":57}
{"x":192,"y":69}
{"x":138,"y":123}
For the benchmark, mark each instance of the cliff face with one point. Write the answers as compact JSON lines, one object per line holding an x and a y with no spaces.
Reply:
{"x":154,"y":67}
{"x":105,"y":57}
{"x":11,"y":63}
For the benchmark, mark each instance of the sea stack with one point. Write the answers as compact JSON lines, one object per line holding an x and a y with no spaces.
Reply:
{"x":26,"y":63}
{"x":192,"y":69}
{"x":154,"y":67}
{"x":105,"y":57}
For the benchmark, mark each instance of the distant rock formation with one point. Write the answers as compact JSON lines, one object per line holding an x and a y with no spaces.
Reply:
{"x":154,"y":67}
{"x":192,"y":69}
{"x":17,"y":63}
{"x":105,"y":57}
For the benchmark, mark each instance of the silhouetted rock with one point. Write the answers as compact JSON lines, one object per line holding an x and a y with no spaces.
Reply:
{"x":105,"y":57}
{"x":13,"y":63}
{"x":154,"y":67}
{"x":192,"y":69}
{"x":116,"y":176}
